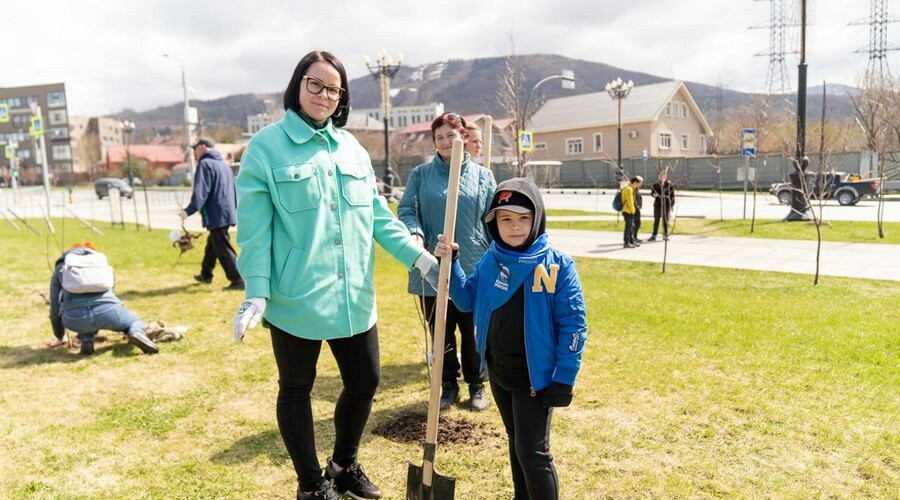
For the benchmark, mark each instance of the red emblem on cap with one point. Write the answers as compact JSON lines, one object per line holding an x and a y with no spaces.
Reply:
{"x":504,"y":196}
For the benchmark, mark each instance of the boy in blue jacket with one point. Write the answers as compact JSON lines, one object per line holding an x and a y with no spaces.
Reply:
{"x":530,"y":328}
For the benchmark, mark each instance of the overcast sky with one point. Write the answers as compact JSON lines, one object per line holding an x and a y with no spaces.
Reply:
{"x":109,"y":54}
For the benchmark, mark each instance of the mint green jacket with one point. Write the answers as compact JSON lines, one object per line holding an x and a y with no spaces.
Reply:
{"x":308,"y":217}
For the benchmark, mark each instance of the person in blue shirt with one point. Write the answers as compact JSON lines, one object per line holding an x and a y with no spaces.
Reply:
{"x":422,"y":209}
{"x":309,"y":215}
{"x":531,"y":322}
{"x":214,"y":197}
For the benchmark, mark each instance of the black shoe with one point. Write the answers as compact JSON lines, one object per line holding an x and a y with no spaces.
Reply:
{"x":235,"y":286}
{"x":449,"y":393}
{"x":477,"y":399}
{"x":141,"y":340}
{"x":87,"y":347}
{"x":203,"y":279}
{"x":352,"y":481}
{"x":652,"y":238}
{"x":322,"y":491}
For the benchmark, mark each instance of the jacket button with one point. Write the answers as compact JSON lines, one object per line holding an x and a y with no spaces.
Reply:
{"x":321,"y":143}
{"x":334,"y":206}
{"x":341,"y":275}
{"x":337,"y":241}
{"x":330,"y":173}
{"x":296,"y":176}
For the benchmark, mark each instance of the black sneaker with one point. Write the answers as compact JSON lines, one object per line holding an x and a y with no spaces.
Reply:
{"x":352,"y":481}
{"x":652,"y":238}
{"x":235,"y":286}
{"x":449,"y":393}
{"x":323,"y":490}
{"x":87,"y":347}
{"x":477,"y":399}
{"x":203,"y":279}
{"x":141,"y":340}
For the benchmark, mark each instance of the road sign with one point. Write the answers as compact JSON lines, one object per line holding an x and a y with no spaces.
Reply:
{"x":526,"y":141}
{"x":748,"y":142}
{"x":10,"y":151}
{"x":4,"y":112}
{"x":644,"y":154}
{"x":37,"y":127}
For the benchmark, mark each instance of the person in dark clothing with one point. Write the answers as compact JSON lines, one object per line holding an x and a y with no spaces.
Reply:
{"x":663,"y":193}
{"x":530,"y":321}
{"x":638,"y":203}
{"x":214,"y":197}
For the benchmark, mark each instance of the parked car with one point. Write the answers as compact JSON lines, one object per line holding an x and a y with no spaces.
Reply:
{"x":846,"y":188}
{"x":104,"y":184}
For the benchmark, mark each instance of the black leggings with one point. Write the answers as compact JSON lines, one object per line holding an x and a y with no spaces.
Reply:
{"x":527,"y":425}
{"x":358,"y":361}
{"x":467,"y":352}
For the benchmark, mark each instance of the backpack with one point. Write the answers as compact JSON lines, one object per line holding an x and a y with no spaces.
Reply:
{"x":86,"y":273}
{"x":617,"y":201}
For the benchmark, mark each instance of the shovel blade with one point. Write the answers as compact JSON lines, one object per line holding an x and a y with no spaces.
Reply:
{"x":442,"y":487}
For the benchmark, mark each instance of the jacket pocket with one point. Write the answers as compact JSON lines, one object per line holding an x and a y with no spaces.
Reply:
{"x":356,"y":183}
{"x":289,"y":281}
{"x":298,"y":186}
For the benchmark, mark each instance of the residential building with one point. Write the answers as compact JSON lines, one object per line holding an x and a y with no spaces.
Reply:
{"x":662,"y":119}
{"x":52,"y":100}
{"x":404,"y":116}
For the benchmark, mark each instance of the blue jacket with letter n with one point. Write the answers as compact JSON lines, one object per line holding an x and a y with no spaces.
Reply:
{"x":214,"y":194}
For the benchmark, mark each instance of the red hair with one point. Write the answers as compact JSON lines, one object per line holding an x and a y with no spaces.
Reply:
{"x":84,"y":244}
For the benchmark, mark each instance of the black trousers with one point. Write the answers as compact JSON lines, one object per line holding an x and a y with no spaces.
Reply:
{"x":660,"y":214}
{"x":466,"y":357}
{"x":628,"y":234}
{"x":218,"y":247}
{"x":358,"y":361}
{"x":637,"y":221}
{"x":527,"y":425}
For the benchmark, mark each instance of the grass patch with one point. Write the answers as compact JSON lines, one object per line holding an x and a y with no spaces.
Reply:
{"x":696,"y":383}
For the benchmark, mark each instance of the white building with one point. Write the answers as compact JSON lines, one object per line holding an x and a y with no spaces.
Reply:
{"x":404,"y":116}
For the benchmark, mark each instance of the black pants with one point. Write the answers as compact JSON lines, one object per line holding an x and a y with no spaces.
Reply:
{"x":527,"y":425}
{"x":628,"y":234}
{"x":659,"y":213}
{"x":467,"y":352}
{"x":358,"y":361}
{"x":637,"y":221}
{"x":218,"y":246}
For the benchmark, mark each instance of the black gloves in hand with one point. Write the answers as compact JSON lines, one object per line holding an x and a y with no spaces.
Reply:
{"x":557,"y":395}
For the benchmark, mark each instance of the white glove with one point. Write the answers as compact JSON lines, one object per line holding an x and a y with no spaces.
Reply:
{"x":182,"y":214}
{"x":430,"y":268}
{"x":248,"y":316}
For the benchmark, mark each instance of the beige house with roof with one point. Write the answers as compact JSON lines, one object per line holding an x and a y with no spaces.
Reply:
{"x":662,"y":118}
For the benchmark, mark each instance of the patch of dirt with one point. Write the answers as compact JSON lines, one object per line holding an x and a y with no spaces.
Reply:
{"x":409,"y":427}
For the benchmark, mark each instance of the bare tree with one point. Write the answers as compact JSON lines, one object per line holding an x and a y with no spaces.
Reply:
{"x":512,"y":96}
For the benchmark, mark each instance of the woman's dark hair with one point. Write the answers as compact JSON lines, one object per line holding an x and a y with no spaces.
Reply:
{"x":452,"y":119}
{"x":292,"y":93}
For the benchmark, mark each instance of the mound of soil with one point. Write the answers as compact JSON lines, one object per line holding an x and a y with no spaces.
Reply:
{"x":409,"y":427}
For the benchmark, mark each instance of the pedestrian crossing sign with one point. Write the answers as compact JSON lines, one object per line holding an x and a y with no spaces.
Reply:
{"x":37,"y":127}
{"x":4,"y":112}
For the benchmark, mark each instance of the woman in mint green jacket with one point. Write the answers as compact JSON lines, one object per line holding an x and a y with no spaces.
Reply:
{"x":308,"y":217}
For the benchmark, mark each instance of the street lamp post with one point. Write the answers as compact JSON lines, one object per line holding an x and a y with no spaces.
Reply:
{"x":187,"y":119}
{"x":619,"y":90}
{"x":384,"y":69}
{"x":568,"y":82}
{"x":128,"y":128}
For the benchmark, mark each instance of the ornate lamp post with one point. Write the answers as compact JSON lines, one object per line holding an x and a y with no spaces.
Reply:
{"x":128,"y":128}
{"x":384,"y":69}
{"x":619,"y":90}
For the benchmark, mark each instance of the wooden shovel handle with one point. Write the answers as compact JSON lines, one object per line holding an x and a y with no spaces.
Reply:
{"x":440,"y":320}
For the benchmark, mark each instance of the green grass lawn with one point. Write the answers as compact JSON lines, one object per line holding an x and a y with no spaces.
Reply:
{"x":844,"y":231}
{"x":696,"y":383}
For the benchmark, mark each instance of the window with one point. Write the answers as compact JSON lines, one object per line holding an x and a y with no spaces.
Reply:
{"x":540,"y":146}
{"x":703,"y":145}
{"x":56,"y":99}
{"x":58,"y":133}
{"x":684,"y":110}
{"x":62,"y":152}
{"x":57,"y":117}
{"x":668,"y":109}
{"x":598,"y":142}
{"x":665,"y":140}
{"x":574,"y":146}
{"x":685,"y":143}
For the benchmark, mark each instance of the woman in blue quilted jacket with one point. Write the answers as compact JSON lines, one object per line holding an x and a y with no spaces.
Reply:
{"x":422,"y":209}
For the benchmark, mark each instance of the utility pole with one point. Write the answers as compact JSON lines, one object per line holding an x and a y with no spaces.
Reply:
{"x":801,"y":162}
{"x":384,"y":69}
